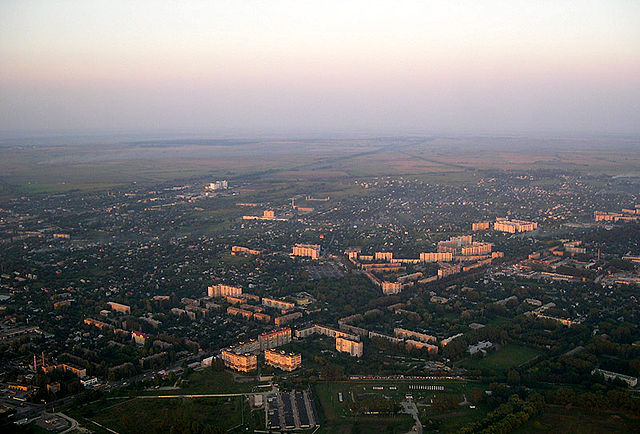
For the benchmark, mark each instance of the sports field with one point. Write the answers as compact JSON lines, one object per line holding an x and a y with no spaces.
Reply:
{"x":510,"y":356}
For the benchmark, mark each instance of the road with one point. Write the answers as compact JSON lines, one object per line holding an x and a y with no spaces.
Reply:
{"x":409,"y":407}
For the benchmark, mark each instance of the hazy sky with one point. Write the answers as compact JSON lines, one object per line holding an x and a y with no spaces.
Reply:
{"x":394,"y":67}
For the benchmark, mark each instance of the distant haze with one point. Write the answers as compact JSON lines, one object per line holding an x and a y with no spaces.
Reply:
{"x":396,"y":67}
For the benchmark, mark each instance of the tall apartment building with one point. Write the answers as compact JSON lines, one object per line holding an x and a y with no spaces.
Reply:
{"x":480,"y":226}
{"x":309,"y":250}
{"x":274,"y":339}
{"x":476,"y":248}
{"x":354,"y":348}
{"x":223,"y":290}
{"x":454,"y":243}
{"x":239,"y":361}
{"x":514,"y":226}
{"x":218,"y":185}
{"x":390,"y":288}
{"x":383,"y":256}
{"x":436,"y":257}
{"x":449,"y":270}
{"x":122,"y":308}
{"x":285,"y":361}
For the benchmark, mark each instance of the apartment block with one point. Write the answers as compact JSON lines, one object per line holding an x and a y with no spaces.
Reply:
{"x":122,"y":308}
{"x":285,"y":361}
{"x":238,"y":361}
{"x":277,"y":304}
{"x":514,"y":226}
{"x":354,"y":348}
{"x":409,"y":334}
{"x":436,"y":257}
{"x":223,"y":290}
{"x":285,"y":319}
{"x":274,"y":339}
{"x":309,"y":250}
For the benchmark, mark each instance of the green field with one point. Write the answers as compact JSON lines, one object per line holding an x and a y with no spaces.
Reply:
{"x":508,"y":357}
{"x":338,"y":417}
{"x":207,"y":381}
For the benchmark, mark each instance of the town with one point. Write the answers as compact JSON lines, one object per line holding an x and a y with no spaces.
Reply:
{"x":434,"y":293}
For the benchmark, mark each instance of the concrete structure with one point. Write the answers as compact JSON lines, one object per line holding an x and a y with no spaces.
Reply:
{"x":235,"y":250}
{"x":476,"y":248}
{"x":278,"y":304}
{"x":285,"y":319}
{"x":436,"y":257}
{"x":479,"y":347}
{"x":234,"y":311}
{"x":449,"y":270}
{"x":258,"y":316}
{"x":238,"y":361}
{"x":223,"y":290}
{"x":285,"y":361}
{"x":218,"y":185}
{"x":514,"y":226}
{"x":309,"y":250}
{"x":432,"y":349}
{"x":609,"y":376}
{"x":139,"y":337}
{"x":383,"y":256}
{"x":354,"y":348}
{"x":122,"y":308}
{"x":409,"y":334}
{"x":480,"y":226}
{"x":390,"y":288}
{"x":274,"y":339}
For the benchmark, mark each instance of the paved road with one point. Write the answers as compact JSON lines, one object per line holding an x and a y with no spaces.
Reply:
{"x":72,"y":421}
{"x":409,"y":407}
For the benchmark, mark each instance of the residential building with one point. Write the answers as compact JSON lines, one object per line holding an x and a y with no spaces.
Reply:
{"x":223,"y":290}
{"x":309,"y":250}
{"x":354,"y":348}
{"x":274,"y":339}
{"x":285,"y":361}
{"x":239,"y":361}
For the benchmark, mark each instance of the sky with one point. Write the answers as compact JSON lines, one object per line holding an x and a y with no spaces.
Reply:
{"x":297,"y":67}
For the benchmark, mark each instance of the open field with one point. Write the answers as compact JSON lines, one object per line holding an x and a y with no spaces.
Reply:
{"x":573,"y":420}
{"x":152,"y":416}
{"x":208,"y":381}
{"x":337,"y":399}
{"x":63,"y":164}
{"x":507,"y":357}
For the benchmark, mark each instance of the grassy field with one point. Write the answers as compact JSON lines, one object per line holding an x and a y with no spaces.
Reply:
{"x":572,"y":420}
{"x":153,"y":416}
{"x":208,"y":381}
{"x":338,"y":417}
{"x":507,"y":357}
